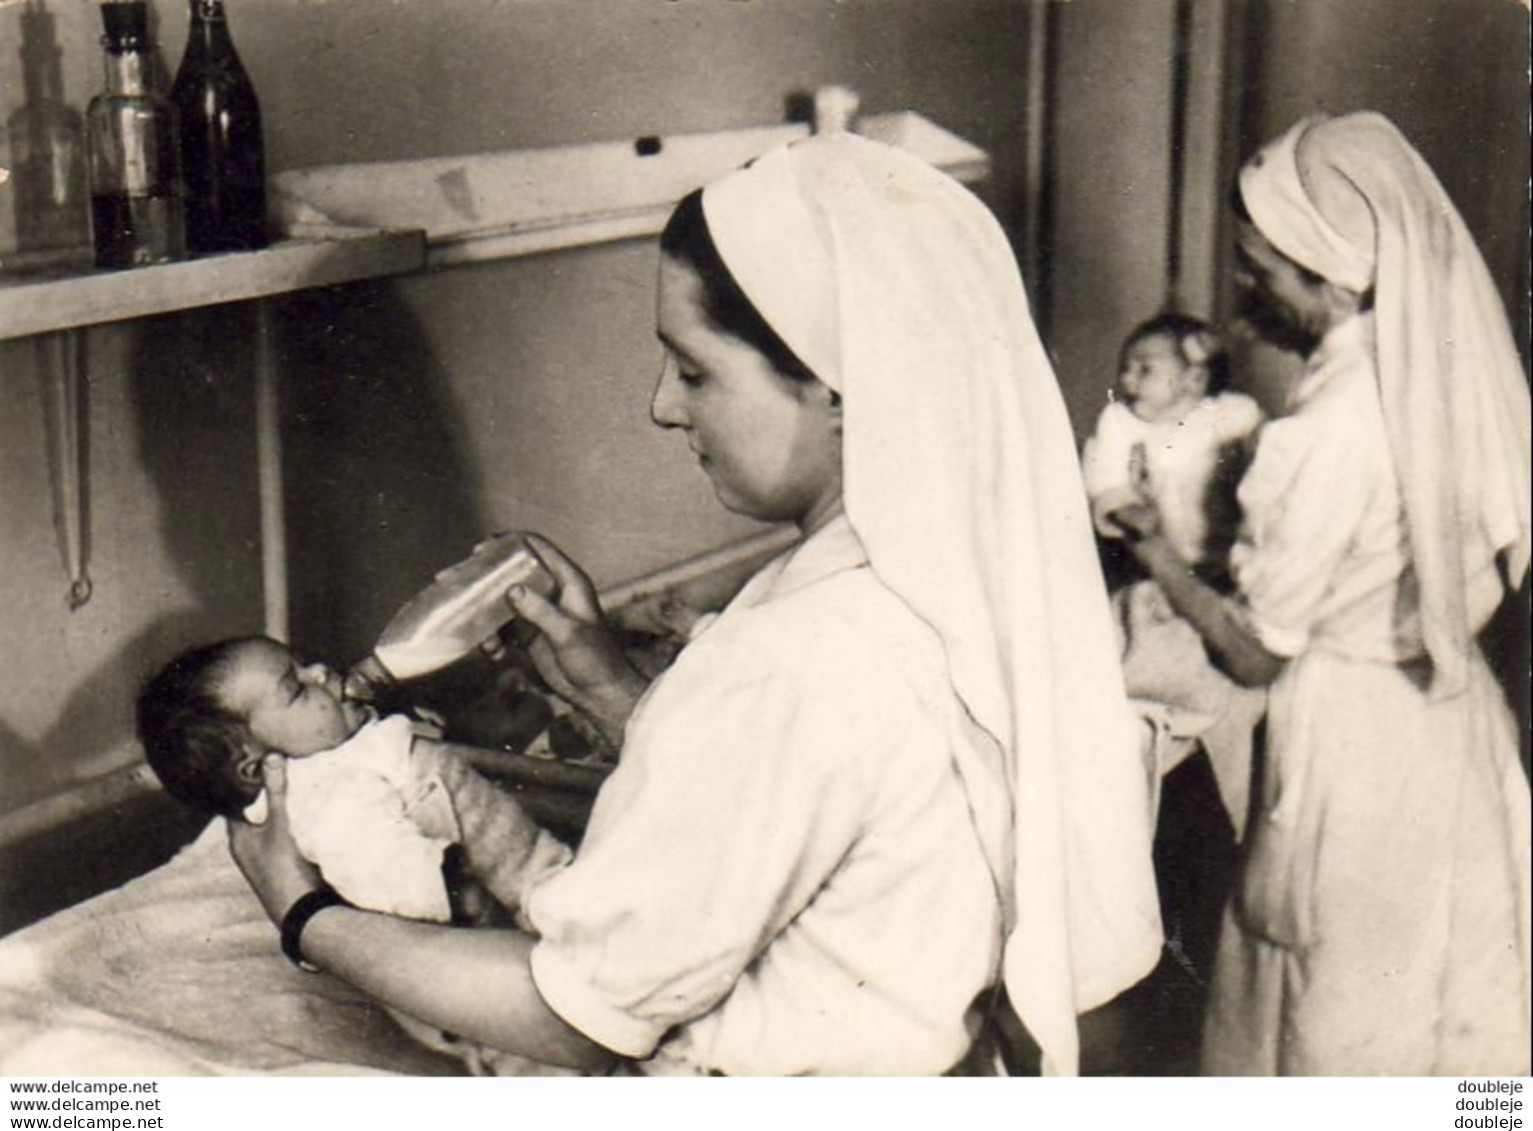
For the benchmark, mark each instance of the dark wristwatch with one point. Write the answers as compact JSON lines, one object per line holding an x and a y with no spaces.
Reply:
{"x":304,"y":908}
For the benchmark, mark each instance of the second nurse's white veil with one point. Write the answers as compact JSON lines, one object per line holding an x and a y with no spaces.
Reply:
{"x":898,"y":289}
{"x":1350,"y":199}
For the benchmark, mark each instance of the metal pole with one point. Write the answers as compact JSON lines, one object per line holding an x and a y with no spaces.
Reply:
{"x":269,"y":476}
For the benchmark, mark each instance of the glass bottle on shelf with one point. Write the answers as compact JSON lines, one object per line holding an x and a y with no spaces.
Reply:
{"x":134,"y":158}
{"x":221,"y":145}
{"x":46,"y":142}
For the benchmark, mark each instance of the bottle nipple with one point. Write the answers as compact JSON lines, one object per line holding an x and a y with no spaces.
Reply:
{"x":364,"y":680}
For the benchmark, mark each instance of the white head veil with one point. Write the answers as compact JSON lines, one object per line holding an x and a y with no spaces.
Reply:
{"x":1351,"y":200}
{"x":899,"y":290}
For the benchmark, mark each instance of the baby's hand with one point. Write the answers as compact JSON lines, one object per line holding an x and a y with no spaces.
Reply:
{"x":426,"y":718}
{"x":471,"y":902}
{"x":1151,"y":601}
{"x":1138,"y":521}
{"x":1139,"y":470}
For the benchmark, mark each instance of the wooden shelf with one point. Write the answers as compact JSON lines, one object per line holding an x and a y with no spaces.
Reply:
{"x":312,"y":256}
{"x":488,"y":206}
{"x":361,"y":221}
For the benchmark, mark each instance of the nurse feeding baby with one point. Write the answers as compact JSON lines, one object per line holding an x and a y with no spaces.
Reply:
{"x":899,"y":770}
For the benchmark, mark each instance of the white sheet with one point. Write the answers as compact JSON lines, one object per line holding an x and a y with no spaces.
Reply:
{"x":179,"y":973}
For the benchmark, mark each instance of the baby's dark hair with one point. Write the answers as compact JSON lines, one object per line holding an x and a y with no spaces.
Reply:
{"x":1196,"y":342}
{"x":192,"y":741}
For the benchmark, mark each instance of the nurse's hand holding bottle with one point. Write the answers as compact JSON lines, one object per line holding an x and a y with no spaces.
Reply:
{"x":575,"y":650}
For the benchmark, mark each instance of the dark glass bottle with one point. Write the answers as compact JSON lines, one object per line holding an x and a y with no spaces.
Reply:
{"x":221,"y":147}
{"x":133,"y":159}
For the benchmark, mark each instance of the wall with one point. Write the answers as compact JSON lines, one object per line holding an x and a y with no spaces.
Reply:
{"x":171,"y":515}
{"x":1109,"y":185}
{"x":420,"y":413}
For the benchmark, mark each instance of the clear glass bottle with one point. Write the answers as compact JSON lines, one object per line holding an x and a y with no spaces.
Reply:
{"x":46,"y":143}
{"x":462,"y":608}
{"x":134,"y":157}
{"x":222,"y":154}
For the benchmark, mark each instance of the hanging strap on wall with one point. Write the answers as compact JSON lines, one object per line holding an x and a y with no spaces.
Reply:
{"x":66,"y":408}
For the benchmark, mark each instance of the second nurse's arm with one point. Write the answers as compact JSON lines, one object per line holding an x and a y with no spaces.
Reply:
{"x":1236,"y":648}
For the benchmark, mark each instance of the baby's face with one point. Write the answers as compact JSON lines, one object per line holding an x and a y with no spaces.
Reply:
{"x":1156,"y":380}
{"x":293,"y":708}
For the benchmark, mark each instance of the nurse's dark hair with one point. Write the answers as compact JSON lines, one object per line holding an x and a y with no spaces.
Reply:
{"x":729,"y":310}
{"x":192,"y":741}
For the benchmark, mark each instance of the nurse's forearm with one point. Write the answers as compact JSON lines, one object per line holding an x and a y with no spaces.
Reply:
{"x":473,"y":983}
{"x":1235,"y":648}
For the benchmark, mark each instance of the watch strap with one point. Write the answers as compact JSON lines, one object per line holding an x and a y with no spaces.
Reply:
{"x":304,"y":908}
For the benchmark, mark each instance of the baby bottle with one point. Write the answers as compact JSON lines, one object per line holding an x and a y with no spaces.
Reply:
{"x":464,"y":606}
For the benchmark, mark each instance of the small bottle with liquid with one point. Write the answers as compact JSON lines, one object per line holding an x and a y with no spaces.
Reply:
{"x":137,"y":210}
{"x":463,"y":607}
